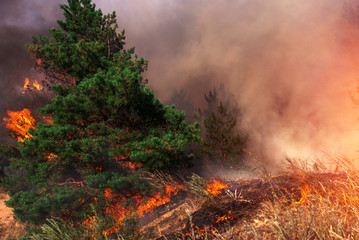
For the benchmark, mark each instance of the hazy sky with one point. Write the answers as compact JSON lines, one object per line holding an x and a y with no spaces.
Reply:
{"x":290,"y":64}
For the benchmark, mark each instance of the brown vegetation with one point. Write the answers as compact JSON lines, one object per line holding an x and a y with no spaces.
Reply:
{"x":309,"y":201}
{"x":8,"y":225}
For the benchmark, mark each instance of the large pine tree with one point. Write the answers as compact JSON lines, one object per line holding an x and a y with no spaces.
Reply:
{"x":107,"y":126}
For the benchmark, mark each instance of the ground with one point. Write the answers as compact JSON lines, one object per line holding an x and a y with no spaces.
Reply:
{"x":8,"y":225}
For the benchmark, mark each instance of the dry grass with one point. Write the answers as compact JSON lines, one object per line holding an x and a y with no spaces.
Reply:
{"x":9,"y":227}
{"x":327,"y":209}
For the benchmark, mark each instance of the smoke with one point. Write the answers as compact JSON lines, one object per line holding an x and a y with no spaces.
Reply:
{"x":19,"y":21}
{"x":290,"y":64}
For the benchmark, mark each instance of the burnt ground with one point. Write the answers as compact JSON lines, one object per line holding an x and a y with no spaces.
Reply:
{"x":188,"y":217}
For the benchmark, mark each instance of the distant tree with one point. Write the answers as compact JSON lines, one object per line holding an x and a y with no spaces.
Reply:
{"x":183,"y":102}
{"x":213,"y":100}
{"x":7,"y":151}
{"x":220,"y":139}
{"x":107,"y":126}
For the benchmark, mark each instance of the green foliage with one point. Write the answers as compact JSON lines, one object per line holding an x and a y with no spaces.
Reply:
{"x":35,"y":205}
{"x":58,"y":229}
{"x":197,"y":185}
{"x":86,"y":41}
{"x":221,"y":142}
{"x":103,"y":120}
{"x":7,"y":151}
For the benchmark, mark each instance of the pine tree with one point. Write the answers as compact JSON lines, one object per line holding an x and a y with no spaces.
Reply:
{"x":7,"y":151}
{"x":86,"y":41}
{"x":220,"y":141}
{"x":107,"y":126}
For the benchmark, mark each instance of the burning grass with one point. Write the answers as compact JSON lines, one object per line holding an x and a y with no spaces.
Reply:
{"x":309,"y":201}
{"x":303,"y":203}
{"x":327,"y":209}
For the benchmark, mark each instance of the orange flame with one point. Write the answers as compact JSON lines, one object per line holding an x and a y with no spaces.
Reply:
{"x":303,"y":199}
{"x":123,"y":161}
{"x":130,"y":165}
{"x":35,"y":85}
{"x":140,"y":206}
{"x":118,"y":209}
{"x":50,"y":156}
{"x":20,"y":122}
{"x":27,"y":83}
{"x":215,"y":187}
{"x":157,"y":200}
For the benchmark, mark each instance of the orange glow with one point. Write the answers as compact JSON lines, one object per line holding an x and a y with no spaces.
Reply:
{"x":27,"y":83}
{"x":303,"y":199}
{"x":215,"y":187}
{"x":36,"y":85}
{"x":224,"y":218}
{"x":130,"y":165}
{"x":38,"y":61}
{"x":157,"y":200}
{"x":20,"y":122}
{"x":139,"y":205}
{"x":122,"y":160}
{"x":50,"y":156}
{"x":122,"y":157}
{"x":48,"y":120}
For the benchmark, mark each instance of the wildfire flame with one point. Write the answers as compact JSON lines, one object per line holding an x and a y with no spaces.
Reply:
{"x":303,"y":198}
{"x":50,"y":156}
{"x":27,"y":83}
{"x":118,"y":209}
{"x":20,"y":122}
{"x":140,"y":206}
{"x":215,"y":187}
{"x":35,"y":85}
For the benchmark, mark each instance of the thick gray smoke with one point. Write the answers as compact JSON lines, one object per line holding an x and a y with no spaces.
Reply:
{"x":290,"y":64}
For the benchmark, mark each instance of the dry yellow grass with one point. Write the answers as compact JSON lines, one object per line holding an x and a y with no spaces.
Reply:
{"x":8,"y":225}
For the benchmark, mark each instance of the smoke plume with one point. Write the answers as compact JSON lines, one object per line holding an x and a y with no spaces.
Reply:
{"x":290,"y":64}
{"x":19,"y":21}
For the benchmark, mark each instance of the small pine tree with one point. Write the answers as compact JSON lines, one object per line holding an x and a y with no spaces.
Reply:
{"x":104,"y":121}
{"x":7,"y":151}
{"x":220,"y":140}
